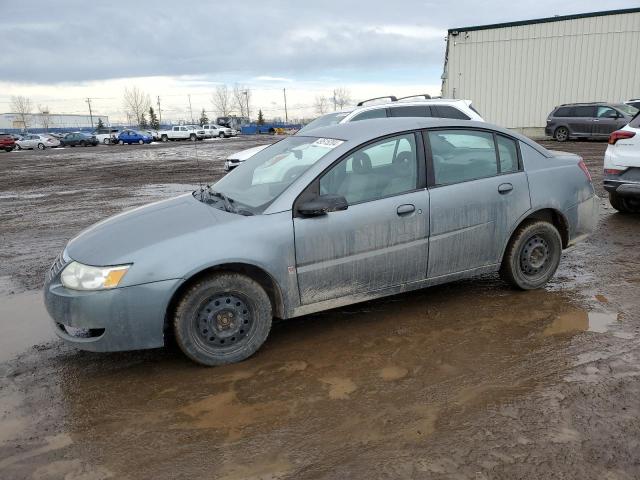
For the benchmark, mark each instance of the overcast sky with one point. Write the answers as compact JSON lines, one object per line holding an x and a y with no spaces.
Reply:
{"x":58,"y":53}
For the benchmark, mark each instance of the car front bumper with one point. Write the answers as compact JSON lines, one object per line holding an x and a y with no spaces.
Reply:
{"x":127,"y":318}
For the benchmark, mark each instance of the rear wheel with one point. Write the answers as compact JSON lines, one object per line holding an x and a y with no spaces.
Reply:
{"x":624,"y":204}
{"x":193,"y":137}
{"x":561,"y":134}
{"x":140,"y":142}
{"x":222,"y":319}
{"x":106,"y":141}
{"x":532,"y":256}
{"x":164,"y":138}
{"x":221,"y":135}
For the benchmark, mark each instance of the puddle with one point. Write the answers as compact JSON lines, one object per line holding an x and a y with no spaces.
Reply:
{"x":24,"y":322}
{"x":583,"y":321}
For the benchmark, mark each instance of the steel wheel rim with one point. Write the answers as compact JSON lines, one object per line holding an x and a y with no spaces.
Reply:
{"x":535,"y":256}
{"x":223,"y":322}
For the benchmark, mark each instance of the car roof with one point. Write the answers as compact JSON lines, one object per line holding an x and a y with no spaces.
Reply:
{"x":363,"y":130}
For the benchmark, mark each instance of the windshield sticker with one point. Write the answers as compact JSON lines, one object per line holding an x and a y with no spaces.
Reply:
{"x":327,"y":142}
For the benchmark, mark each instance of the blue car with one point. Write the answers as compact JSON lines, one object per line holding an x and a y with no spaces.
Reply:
{"x":131,"y":136}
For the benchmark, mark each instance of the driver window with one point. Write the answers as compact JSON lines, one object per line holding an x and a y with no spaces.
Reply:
{"x":606,"y":112}
{"x":386,"y":168}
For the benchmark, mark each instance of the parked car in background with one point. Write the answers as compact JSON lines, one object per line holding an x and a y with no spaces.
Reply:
{"x":622,"y":168}
{"x":587,"y":120}
{"x":420,"y":106}
{"x":132,"y":136}
{"x":374,"y":214}
{"x":7,"y":143}
{"x":634,"y":102}
{"x":107,"y":135}
{"x":78,"y":139}
{"x":182,"y":132}
{"x":41,"y":141}
{"x":212,"y":131}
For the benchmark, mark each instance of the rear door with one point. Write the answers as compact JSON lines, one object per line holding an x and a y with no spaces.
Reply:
{"x":478,"y":190}
{"x":381,"y":240}
{"x":581,"y":121}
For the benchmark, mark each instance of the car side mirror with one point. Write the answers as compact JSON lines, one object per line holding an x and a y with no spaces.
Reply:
{"x":614,"y":115}
{"x":322,"y":205}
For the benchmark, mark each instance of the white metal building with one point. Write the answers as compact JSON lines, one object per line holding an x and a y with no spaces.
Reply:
{"x":37,"y":122}
{"x":515,"y":73}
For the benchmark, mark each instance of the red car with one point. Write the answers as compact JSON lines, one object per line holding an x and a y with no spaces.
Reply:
{"x":7,"y":143}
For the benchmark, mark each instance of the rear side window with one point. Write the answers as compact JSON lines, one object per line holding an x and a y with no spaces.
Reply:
{"x":563,"y":112}
{"x":459,"y":156}
{"x":411,"y":111}
{"x":635,"y":123}
{"x":508,"y":152}
{"x":446,"y":111}
{"x":583,"y":111}
{"x":368,"y":114}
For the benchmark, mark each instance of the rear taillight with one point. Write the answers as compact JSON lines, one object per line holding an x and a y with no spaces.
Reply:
{"x":620,"y":135}
{"x":612,"y":171}
{"x":584,"y":168}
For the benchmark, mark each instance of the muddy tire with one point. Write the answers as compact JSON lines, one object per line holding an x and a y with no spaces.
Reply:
{"x":222,"y":319}
{"x":561,"y":134}
{"x":193,"y":137}
{"x":624,"y":205}
{"x":532,"y":255}
{"x":164,"y":138}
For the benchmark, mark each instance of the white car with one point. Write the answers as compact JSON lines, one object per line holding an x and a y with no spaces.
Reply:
{"x":393,"y":107}
{"x":182,"y":132}
{"x":107,"y":135}
{"x":213,"y":131}
{"x":30,"y":142}
{"x":622,"y":168}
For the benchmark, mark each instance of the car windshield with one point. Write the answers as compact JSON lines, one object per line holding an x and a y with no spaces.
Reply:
{"x":257,"y":182}
{"x":628,"y":109}
{"x":323,"y":121}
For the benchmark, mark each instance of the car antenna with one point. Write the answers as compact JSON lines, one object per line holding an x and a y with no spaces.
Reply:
{"x":195,"y":148}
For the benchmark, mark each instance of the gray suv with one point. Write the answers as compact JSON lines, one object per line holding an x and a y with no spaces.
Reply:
{"x":588,"y":120}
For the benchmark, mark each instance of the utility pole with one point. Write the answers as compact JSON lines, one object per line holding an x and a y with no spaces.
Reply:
{"x":246,"y":96}
{"x":159,"y":112}
{"x":88,"y":100}
{"x":335,"y":105}
{"x":286,"y":115}
{"x":190,"y":109}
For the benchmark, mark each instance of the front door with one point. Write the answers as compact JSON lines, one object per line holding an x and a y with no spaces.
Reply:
{"x":479,"y":191}
{"x":606,"y":122}
{"x":381,"y":240}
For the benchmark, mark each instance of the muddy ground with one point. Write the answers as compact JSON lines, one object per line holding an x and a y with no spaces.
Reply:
{"x":471,"y":380}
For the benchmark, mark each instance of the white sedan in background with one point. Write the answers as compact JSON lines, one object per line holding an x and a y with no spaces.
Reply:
{"x":30,"y":142}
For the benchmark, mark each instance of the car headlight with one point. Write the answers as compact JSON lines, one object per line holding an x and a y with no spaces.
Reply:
{"x":77,"y":276}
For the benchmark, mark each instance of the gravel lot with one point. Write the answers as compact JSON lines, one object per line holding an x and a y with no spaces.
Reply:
{"x":470,"y":380}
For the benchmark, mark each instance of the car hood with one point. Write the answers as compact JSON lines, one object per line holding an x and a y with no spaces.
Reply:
{"x":117,"y":239}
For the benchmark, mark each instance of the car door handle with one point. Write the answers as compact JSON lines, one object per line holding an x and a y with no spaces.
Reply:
{"x":504,"y":188}
{"x":406,"y":209}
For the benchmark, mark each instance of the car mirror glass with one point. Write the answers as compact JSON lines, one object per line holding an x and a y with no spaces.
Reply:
{"x":322,"y":205}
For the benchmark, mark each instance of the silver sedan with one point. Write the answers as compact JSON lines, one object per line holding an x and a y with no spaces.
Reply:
{"x":30,"y":142}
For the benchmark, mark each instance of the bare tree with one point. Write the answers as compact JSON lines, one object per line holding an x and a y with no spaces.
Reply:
{"x":22,"y":106}
{"x":321,"y":104}
{"x":136,"y":103}
{"x":242,"y":100}
{"x":341,"y":98}
{"x":221,"y":101}
{"x":44,"y":116}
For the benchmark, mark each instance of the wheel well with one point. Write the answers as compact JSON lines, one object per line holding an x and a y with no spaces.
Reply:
{"x":255,"y":273}
{"x":556,"y":219}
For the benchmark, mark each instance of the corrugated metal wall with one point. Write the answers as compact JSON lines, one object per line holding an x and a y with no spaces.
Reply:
{"x":516,"y":75}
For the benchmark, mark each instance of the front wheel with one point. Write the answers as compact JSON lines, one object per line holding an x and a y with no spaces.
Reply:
{"x":106,"y":141}
{"x":532,"y":256}
{"x":221,"y":135}
{"x":140,"y":142}
{"x":41,"y":146}
{"x":624,"y":204}
{"x":164,"y":138}
{"x":193,"y":137}
{"x":222,"y":319}
{"x":561,"y":134}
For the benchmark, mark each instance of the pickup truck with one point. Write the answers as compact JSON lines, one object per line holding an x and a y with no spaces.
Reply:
{"x":182,"y":132}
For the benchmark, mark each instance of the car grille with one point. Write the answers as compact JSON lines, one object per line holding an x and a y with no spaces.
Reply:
{"x":57,"y":267}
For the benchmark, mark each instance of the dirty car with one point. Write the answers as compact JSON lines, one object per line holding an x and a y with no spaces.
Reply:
{"x":353,"y":212}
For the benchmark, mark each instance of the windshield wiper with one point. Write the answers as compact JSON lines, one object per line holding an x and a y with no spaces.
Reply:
{"x":226,"y":200}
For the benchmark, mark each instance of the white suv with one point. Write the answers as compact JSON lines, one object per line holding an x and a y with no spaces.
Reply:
{"x":622,"y":168}
{"x":393,"y":107}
